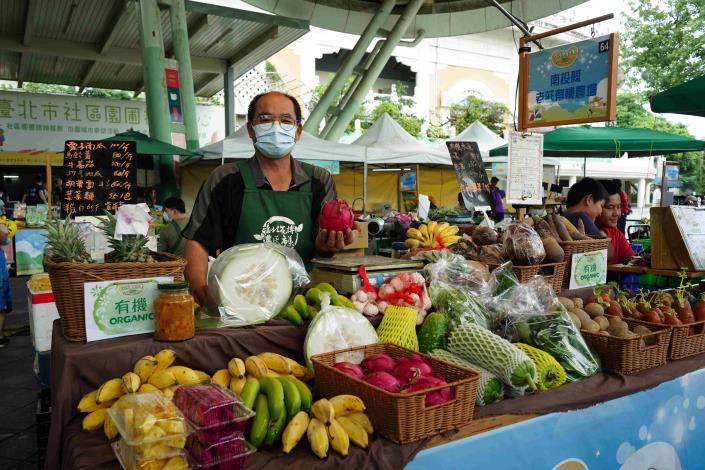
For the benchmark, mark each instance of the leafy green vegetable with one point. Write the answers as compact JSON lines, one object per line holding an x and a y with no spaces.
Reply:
{"x":459,"y":306}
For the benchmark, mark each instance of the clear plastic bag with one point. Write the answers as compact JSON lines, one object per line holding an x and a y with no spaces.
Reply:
{"x":452,"y":269}
{"x":251,"y":283}
{"x":523,"y":246}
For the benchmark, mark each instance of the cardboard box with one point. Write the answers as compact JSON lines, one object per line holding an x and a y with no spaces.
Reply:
{"x":42,"y":313}
{"x":668,"y":250}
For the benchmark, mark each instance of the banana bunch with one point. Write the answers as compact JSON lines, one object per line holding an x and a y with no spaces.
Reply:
{"x":432,"y":235}
{"x":149,"y":374}
{"x":306,"y":306}
{"x":332,"y":424}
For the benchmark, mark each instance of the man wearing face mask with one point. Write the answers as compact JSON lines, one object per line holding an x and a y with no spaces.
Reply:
{"x":270,"y":197}
{"x":171,"y":239}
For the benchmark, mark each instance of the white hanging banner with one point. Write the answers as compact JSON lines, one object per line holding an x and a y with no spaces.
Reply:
{"x":525,"y":172}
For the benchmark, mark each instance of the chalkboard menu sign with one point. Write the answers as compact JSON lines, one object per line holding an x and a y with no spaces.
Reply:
{"x":98,"y":176}
{"x":471,"y":174}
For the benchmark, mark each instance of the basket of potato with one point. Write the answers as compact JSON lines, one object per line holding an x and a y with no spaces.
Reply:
{"x":624,"y":346}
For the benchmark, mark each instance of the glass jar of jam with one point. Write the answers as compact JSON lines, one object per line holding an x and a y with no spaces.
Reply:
{"x":174,"y":317}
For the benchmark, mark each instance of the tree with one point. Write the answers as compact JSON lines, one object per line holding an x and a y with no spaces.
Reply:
{"x":399,"y":108}
{"x":474,"y":108}
{"x":72,"y":90}
{"x":663,"y":43}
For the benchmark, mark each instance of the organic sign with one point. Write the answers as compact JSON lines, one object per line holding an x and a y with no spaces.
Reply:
{"x":588,"y":269}
{"x":98,"y":176}
{"x":471,"y":174}
{"x":120,"y":308}
{"x":570,"y":84}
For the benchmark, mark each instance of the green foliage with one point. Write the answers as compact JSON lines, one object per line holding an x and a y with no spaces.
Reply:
{"x":474,"y":108}
{"x":663,"y":43}
{"x":631,"y":113}
{"x":396,"y":106}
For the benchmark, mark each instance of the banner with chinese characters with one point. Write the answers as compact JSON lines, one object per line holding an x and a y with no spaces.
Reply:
{"x":31,"y":123}
{"x":525,"y":173}
{"x":570,"y":84}
{"x":120,"y":308}
{"x":471,"y":174}
{"x":588,"y":269}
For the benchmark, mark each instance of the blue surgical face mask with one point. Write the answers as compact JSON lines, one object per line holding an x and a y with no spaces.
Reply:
{"x":273,"y":141}
{"x":165,"y":216}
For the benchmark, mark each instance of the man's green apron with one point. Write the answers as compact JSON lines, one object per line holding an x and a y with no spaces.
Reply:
{"x":282,"y":217}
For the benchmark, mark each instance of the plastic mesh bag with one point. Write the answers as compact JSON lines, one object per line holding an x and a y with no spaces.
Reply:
{"x":399,"y":327}
{"x":251,"y":283}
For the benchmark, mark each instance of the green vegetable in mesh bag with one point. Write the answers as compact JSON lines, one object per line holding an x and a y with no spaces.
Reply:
{"x":459,"y":306}
{"x":489,"y":388}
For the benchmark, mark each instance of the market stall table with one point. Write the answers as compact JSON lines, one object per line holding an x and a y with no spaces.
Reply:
{"x":631,"y":269}
{"x":78,"y":368}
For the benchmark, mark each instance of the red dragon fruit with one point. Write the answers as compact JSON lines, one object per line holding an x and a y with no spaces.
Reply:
{"x":350,"y":369}
{"x":379,"y":363}
{"x":336,"y":215}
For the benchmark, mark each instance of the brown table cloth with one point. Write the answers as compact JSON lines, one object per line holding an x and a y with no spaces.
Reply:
{"x":78,"y":368}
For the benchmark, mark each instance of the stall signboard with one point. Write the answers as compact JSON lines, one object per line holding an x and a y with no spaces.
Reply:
{"x":98,"y":176}
{"x":333,"y":166}
{"x":570,"y":84}
{"x":525,"y":170}
{"x":691,"y":225}
{"x":29,"y":251}
{"x":120,"y":308}
{"x":471,"y":174}
{"x":588,"y":269}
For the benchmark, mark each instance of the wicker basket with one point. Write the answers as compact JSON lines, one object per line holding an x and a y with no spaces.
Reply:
{"x":580,"y":246}
{"x":630,"y":355}
{"x":552,"y":273}
{"x":402,"y":417}
{"x":67,"y":281}
{"x":686,"y":340}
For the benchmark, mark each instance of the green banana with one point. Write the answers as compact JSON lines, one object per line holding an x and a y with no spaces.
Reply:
{"x":292,"y":397}
{"x":345,"y":302}
{"x":312,"y":311}
{"x":260,"y":423}
{"x":334,"y":297}
{"x":276,"y":427}
{"x":313,"y":297}
{"x":301,"y":306}
{"x":304,"y":391}
{"x":293,"y":316}
{"x":249,"y":392}
{"x":275,"y":397}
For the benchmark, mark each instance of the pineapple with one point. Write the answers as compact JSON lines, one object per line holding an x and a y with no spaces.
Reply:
{"x":132,"y":248}
{"x":64,"y":241}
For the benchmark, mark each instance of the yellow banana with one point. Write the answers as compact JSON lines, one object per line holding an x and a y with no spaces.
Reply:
{"x":109,"y":428}
{"x":442,"y":227}
{"x":256,"y":367}
{"x":450,"y":230}
{"x":169,"y":393}
{"x":183,"y":375}
{"x":162,"y":379}
{"x":294,"y":431}
{"x":236,"y":385}
{"x":346,"y":404}
{"x":323,"y":411}
{"x":450,"y":240}
{"x":414,"y":233}
{"x":299,"y":371}
{"x":87,"y":403}
{"x":145,"y":388}
{"x":355,"y":432}
{"x":339,"y":439}
{"x":110,"y":390}
{"x":94,"y":420}
{"x":144,"y":367}
{"x":317,"y":438}
{"x":413,"y":243}
{"x":431,"y":226}
{"x":164,"y":358}
{"x":275,"y":362}
{"x":221,"y":377}
{"x":423,"y":228}
{"x":363,"y":420}
{"x":236,"y":367}
{"x":202,"y":376}
{"x":130,"y":382}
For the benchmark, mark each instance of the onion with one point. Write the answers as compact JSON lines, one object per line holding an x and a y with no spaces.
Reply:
{"x":379,"y":363}
{"x":336,"y":215}
{"x":350,"y":369}
{"x":383,"y":380}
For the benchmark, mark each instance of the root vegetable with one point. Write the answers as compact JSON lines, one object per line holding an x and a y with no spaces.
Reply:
{"x":561,"y":229}
{"x":575,"y":319}
{"x":581,"y":314}
{"x":594,"y":309}
{"x":602,"y":321}
{"x":578,"y":302}
{"x":591,"y":326}
{"x":567,"y":303}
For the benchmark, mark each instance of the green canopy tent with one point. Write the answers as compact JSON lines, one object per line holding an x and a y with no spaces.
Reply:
{"x":686,"y":98}
{"x":587,"y":141}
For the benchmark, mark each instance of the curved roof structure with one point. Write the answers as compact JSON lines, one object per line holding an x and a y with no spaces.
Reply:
{"x":438,"y":18}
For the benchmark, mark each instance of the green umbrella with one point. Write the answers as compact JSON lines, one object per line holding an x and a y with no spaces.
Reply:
{"x":147,"y":145}
{"x":587,"y":141}
{"x":686,"y":98}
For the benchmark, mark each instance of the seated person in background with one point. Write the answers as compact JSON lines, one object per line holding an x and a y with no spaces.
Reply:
{"x":585,"y":201}
{"x":619,"y":250}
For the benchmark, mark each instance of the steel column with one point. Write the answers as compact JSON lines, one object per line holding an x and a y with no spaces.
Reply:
{"x":229,"y":90}
{"x":374,"y":70}
{"x":345,"y":71}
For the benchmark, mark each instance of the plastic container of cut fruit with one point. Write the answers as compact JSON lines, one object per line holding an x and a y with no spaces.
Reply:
{"x":150,"y":456}
{"x":215,"y":414}
{"x":149,"y":418}
{"x":231,"y":453}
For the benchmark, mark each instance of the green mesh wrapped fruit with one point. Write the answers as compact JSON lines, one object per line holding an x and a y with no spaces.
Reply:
{"x":551,"y":374}
{"x":489,"y":388}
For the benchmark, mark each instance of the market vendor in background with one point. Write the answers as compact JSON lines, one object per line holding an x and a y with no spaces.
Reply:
{"x":619,"y":250}
{"x":496,"y":196}
{"x":270,"y":197}
{"x":37,"y":193}
{"x":171,"y":239}
{"x":584,"y":202}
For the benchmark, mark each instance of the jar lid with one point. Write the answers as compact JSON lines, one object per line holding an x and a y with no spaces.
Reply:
{"x":173,"y":285}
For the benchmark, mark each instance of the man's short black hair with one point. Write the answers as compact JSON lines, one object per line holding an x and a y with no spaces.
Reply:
{"x":253,"y":106}
{"x":494,"y":180}
{"x":586,"y":187}
{"x":611,"y":187}
{"x":175,"y":203}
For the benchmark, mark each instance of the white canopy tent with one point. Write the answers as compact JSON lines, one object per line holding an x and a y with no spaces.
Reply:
{"x":239,"y":146}
{"x":485,"y":138}
{"x":389,"y":143}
